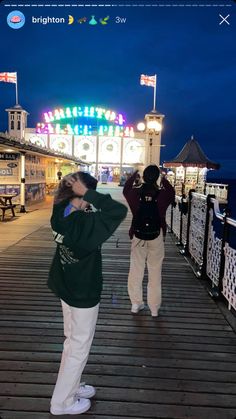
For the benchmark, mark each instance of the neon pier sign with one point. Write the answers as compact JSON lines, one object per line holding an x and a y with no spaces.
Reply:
{"x":102,"y":130}
{"x":84,"y":112}
{"x":84,"y":120}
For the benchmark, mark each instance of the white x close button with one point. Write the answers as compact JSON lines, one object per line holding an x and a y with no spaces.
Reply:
{"x":224,"y":19}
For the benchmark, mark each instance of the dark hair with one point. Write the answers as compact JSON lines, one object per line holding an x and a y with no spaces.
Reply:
{"x":65,"y":191}
{"x":151,"y":174}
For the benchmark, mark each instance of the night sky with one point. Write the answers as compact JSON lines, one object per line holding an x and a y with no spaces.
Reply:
{"x":193,"y":56}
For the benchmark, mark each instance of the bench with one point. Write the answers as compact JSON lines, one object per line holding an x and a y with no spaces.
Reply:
{"x":4,"y":208}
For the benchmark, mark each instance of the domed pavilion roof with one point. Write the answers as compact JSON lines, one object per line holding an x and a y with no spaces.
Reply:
{"x":192,"y":155}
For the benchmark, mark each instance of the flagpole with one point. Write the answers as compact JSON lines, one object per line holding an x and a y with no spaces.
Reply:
{"x":154,"y":95}
{"x":16,"y":90}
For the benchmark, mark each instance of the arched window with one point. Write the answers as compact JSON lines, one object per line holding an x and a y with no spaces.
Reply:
{"x":18,"y":120}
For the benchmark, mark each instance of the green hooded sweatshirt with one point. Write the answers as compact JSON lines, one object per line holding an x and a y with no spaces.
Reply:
{"x":76,"y":272}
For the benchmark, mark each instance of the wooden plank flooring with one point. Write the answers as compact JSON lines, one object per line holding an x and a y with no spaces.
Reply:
{"x":180,"y":365}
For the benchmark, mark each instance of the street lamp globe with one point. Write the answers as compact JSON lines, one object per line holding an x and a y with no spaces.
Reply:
{"x":141,"y":126}
{"x":154,"y":125}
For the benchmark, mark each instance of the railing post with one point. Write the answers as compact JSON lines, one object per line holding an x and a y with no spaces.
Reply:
{"x":203,"y":268}
{"x":183,"y":211}
{"x":185,"y":251}
{"x":225,"y":237}
{"x":179,"y":243}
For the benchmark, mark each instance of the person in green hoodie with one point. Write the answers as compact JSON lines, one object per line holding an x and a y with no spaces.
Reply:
{"x":76,"y":278}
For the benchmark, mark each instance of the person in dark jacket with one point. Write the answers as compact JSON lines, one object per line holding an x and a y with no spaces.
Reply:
{"x":76,"y":278}
{"x":150,"y":251}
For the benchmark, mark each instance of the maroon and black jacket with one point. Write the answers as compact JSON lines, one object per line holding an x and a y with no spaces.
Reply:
{"x":165,"y":197}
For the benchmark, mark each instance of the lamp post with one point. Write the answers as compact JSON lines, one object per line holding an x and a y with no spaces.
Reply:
{"x":152,"y":129}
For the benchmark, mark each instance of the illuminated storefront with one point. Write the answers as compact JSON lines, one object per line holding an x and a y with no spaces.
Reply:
{"x":28,"y":169}
{"x":95,"y":135}
{"x":69,"y":139}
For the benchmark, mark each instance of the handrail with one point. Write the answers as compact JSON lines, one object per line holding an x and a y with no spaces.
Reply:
{"x":219,"y":215}
{"x":200,"y":195}
{"x":208,"y":245}
{"x":217,"y":212}
{"x":216,"y":184}
{"x":231,"y":221}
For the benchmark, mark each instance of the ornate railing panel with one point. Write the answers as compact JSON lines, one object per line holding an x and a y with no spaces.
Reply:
{"x":214,"y":248}
{"x":176,"y":218}
{"x":184,"y":228}
{"x":197,"y":227}
{"x":209,"y":237}
{"x":168,"y":216}
{"x":229,"y":279}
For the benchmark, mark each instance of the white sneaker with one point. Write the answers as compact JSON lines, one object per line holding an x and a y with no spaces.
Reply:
{"x":85,"y":391}
{"x":137,"y":307}
{"x":154,"y":313}
{"x":80,"y":406}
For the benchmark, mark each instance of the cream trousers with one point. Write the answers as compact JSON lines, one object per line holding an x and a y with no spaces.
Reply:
{"x":79,"y":329}
{"x":152,"y":252}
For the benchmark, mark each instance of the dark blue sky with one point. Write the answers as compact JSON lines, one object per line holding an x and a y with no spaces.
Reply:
{"x":193,"y":56}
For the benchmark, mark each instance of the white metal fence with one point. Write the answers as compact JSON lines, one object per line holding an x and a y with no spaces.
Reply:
{"x":212,"y":249}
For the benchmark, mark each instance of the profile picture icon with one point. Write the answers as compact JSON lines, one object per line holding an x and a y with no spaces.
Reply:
{"x":16,"y":19}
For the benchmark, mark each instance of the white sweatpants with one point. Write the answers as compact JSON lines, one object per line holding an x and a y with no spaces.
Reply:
{"x":152,"y":252}
{"x":79,"y":329}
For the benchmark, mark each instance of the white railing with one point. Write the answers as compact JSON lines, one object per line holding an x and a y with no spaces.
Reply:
{"x":176,"y":218}
{"x":229,"y":271}
{"x":209,"y":239}
{"x":214,"y":249}
{"x":220,"y":190}
{"x":168,"y":216}
{"x":197,"y":227}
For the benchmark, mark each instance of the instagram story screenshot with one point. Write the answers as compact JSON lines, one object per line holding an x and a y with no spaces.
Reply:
{"x":117,"y":209}
{"x":79,"y":67}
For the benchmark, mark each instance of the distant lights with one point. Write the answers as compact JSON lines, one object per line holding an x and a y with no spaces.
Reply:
{"x":151,"y":126}
{"x":154,"y":125}
{"x":141,"y":126}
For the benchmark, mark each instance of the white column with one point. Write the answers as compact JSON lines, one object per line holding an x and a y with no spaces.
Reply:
{"x":73,"y":145}
{"x":121,"y":154}
{"x":22,"y":182}
{"x":56,"y":167}
{"x":97,"y":154}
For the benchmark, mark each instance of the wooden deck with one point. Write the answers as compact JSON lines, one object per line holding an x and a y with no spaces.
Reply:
{"x":180,"y":365}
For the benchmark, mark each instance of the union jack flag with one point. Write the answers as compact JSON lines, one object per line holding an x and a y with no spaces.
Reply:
{"x":148,"y":80}
{"x":8,"y":77}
